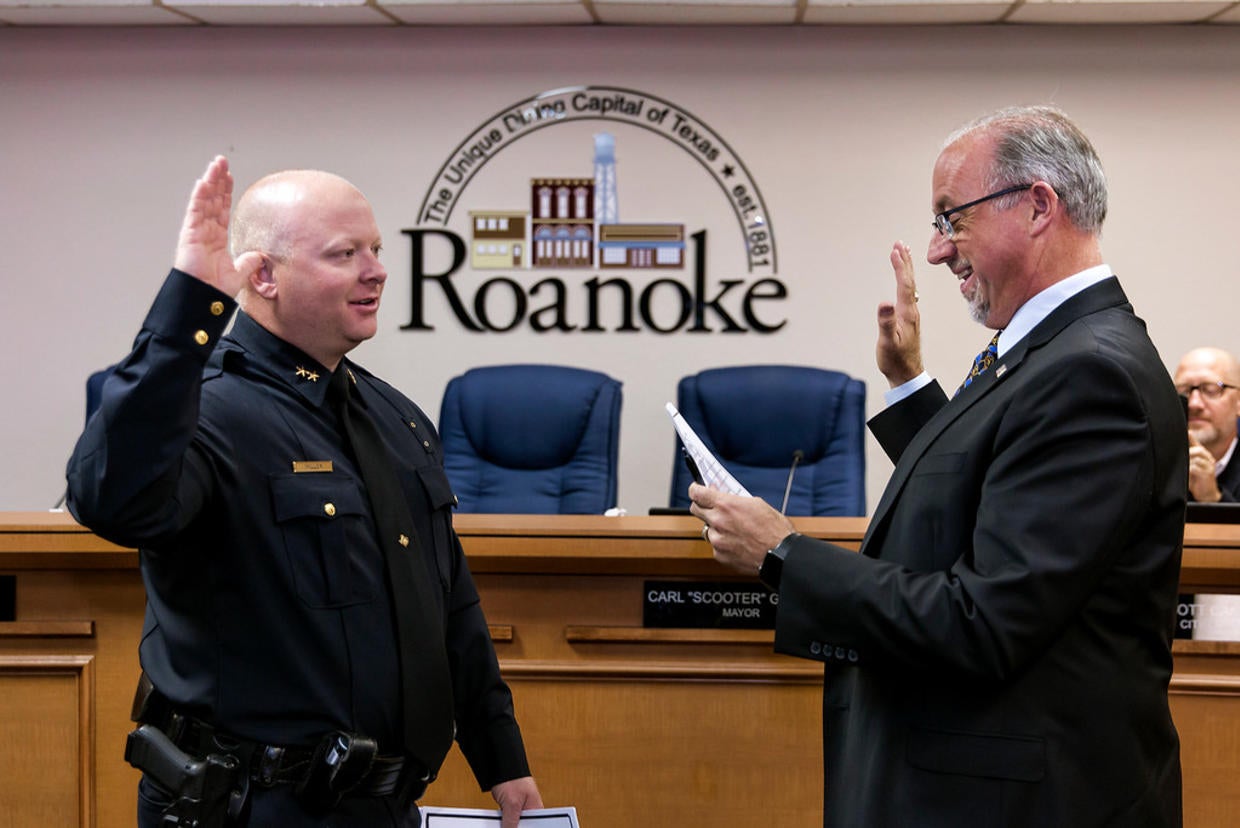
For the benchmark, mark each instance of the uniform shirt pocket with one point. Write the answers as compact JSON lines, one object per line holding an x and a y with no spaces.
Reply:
{"x":324,"y":520}
{"x":440,"y":498}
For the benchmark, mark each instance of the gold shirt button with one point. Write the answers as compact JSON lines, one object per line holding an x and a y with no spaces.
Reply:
{"x":201,"y":338}
{"x":217,"y":308}
{"x":329,"y":509}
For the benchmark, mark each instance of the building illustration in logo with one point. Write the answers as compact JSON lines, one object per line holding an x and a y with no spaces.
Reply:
{"x":641,"y":245}
{"x":563,"y":222}
{"x":499,"y":239}
{"x":574,"y":223}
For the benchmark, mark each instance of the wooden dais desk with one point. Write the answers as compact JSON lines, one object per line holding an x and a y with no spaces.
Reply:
{"x":631,"y":725}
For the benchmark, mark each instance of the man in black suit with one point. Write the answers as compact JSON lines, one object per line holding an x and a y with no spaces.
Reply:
{"x":1210,"y":379}
{"x":999,"y":652}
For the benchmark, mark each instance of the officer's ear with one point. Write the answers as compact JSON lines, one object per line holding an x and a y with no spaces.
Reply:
{"x":256,"y":271}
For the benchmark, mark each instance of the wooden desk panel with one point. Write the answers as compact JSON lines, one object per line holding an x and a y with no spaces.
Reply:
{"x":622,"y":722}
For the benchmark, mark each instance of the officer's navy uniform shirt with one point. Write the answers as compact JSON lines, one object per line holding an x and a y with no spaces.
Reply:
{"x":268,"y":611}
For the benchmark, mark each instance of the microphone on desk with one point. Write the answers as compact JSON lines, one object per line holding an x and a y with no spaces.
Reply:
{"x":797,"y":456}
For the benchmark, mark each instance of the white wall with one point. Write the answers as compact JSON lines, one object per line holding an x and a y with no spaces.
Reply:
{"x":102,"y":132}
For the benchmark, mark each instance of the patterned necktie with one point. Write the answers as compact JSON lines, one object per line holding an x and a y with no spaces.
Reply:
{"x":425,"y":677}
{"x":981,"y":362}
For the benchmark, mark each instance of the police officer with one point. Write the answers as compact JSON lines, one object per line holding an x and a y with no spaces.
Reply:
{"x":271,"y":635}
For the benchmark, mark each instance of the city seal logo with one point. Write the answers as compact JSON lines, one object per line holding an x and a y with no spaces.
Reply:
{"x":569,"y":220}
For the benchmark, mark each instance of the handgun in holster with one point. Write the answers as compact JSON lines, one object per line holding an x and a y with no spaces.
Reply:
{"x":200,"y":788}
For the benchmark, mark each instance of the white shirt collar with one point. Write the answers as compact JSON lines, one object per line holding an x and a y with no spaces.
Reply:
{"x":1221,"y":463}
{"x":1040,"y":306}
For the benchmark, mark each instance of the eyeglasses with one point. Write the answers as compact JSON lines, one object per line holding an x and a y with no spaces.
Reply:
{"x":944,"y":225}
{"x":1209,"y":390}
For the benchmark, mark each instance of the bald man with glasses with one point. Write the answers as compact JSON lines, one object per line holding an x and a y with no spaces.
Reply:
{"x":1210,"y":380}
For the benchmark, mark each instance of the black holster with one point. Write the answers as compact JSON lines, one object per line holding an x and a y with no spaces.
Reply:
{"x":207,"y":792}
{"x":201,"y":788}
{"x":341,"y":761}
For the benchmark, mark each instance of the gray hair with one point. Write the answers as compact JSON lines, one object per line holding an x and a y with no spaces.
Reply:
{"x":1040,"y":143}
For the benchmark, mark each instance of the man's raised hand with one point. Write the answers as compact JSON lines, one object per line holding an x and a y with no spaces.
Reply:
{"x":202,"y":249}
{"x":899,"y":324}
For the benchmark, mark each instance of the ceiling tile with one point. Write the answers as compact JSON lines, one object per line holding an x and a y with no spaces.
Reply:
{"x":696,"y":12}
{"x":281,"y":12}
{"x":1087,"y":12}
{"x":88,"y":13}
{"x":488,"y":12}
{"x":1232,"y":15}
{"x":906,"y":12}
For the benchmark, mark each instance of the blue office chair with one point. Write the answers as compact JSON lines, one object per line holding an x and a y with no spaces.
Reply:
{"x":94,"y":395}
{"x":755,"y":418}
{"x":532,"y":439}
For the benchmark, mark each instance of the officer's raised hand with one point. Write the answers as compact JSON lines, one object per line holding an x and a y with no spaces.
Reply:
{"x":202,"y":249}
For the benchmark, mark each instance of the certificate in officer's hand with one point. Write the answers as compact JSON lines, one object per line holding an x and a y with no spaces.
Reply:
{"x":434,"y":817}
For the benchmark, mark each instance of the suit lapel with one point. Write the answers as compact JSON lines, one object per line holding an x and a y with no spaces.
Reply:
{"x":1103,"y":295}
{"x":948,"y":414}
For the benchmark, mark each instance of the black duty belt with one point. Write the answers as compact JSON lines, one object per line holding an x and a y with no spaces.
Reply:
{"x":271,"y":765}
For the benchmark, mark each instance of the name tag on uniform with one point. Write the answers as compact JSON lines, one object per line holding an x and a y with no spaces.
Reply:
{"x":311,"y":466}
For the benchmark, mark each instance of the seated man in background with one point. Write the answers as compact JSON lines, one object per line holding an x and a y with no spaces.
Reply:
{"x":1210,"y":379}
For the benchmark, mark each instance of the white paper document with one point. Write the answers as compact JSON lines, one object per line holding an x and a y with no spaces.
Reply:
{"x":712,"y":471}
{"x":434,"y":817}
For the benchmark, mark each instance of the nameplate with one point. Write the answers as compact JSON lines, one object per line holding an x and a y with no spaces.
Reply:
{"x":300,"y":466}
{"x":708,"y":605}
{"x":1206,"y":616}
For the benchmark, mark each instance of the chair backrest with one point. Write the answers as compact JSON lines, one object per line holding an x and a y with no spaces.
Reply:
{"x":754,"y":418}
{"x":532,"y":439}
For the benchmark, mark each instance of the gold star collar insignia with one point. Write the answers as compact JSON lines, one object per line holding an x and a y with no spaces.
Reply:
{"x":307,"y":374}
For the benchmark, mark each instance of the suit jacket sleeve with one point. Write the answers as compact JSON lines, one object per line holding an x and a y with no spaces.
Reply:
{"x":895,"y":426}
